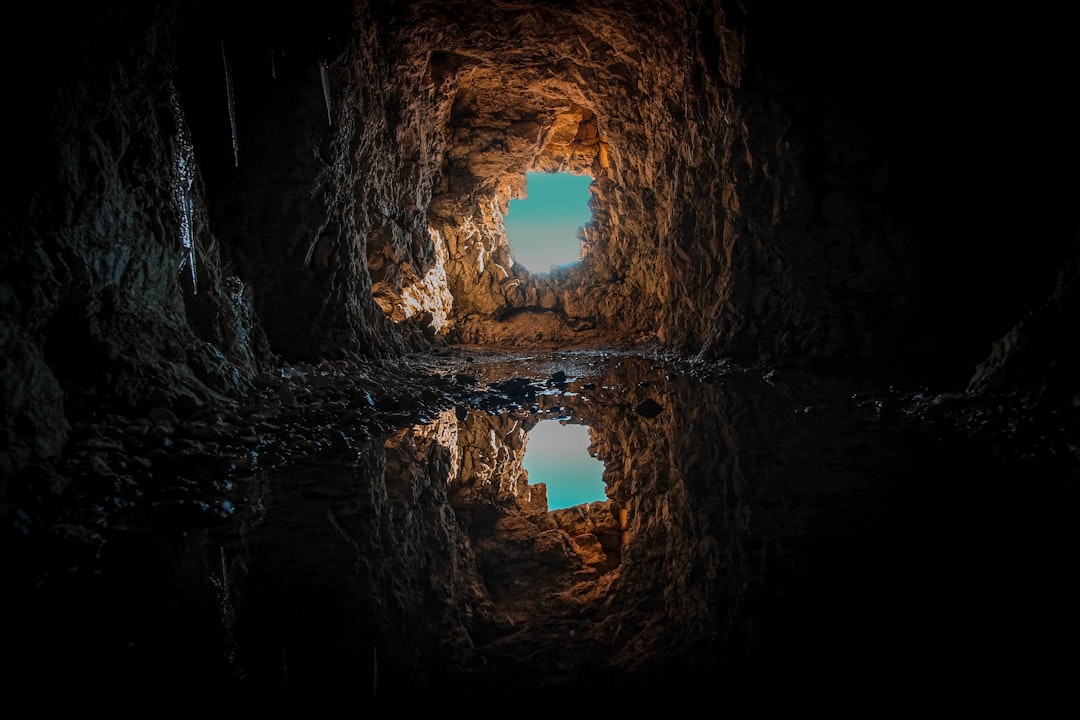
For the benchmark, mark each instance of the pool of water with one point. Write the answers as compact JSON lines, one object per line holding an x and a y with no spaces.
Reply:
{"x":752,"y":527}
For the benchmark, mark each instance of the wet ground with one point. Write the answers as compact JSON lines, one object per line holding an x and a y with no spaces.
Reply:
{"x":367,"y":531}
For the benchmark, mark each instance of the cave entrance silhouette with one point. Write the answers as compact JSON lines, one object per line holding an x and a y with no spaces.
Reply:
{"x":543,"y":228}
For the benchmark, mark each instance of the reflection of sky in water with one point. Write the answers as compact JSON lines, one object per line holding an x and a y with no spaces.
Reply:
{"x":543,"y":227}
{"x":558,"y":456}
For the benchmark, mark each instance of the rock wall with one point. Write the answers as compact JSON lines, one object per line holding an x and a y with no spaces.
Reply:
{"x":204,"y":191}
{"x":114,"y":292}
{"x":309,"y":194}
{"x":771,"y":184}
{"x":549,"y":88}
{"x":877,"y":190}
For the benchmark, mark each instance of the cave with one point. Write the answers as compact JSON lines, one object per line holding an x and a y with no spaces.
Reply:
{"x":270,"y":366}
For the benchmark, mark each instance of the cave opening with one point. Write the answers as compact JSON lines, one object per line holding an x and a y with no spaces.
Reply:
{"x":544,"y":227}
{"x":557,"y":455}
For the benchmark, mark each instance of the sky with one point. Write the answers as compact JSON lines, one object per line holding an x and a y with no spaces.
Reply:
{"x":543,"y":227}
{"x":558,"y":456}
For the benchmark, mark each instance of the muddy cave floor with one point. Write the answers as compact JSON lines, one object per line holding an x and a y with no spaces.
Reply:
{"x":178,"y":469}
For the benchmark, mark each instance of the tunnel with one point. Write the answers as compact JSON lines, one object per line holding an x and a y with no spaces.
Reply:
{"x":270,"y":364}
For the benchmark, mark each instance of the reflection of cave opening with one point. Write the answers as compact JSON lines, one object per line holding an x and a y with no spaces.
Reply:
{"x":544,"y":227}
{"x":557,"y":455}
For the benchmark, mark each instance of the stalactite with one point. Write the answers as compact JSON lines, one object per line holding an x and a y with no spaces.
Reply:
{"x":273,"y":67}
{"x":230,"y":100}
{"x":324,"y":72}
{"x":183,"y":181}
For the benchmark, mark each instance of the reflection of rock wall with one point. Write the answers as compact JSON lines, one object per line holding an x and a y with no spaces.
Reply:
{"x":519,"y":543}
{"x":773,"y":530}
{"x":710,"y":545}
{"x":491,"y":448}
{"x":515,"y":539}
{"x":681,"y":569}
{"x":415,"y":561}
{"x":445,"y":511}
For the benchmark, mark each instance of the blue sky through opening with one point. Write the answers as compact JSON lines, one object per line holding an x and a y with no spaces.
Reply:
{"x":543,"y":227}
{"x":558,"y":456}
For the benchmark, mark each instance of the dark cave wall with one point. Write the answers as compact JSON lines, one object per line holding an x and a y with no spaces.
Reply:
{"x":319,"y":194}
{"x":894,"y":167}
{"x":777,"y":186}
{"x":102,"y":311}
{"x":96,"y":306}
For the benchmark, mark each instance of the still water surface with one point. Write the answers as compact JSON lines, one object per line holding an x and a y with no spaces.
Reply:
{"x":757,"y":524}
{"x":557,"y":455}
